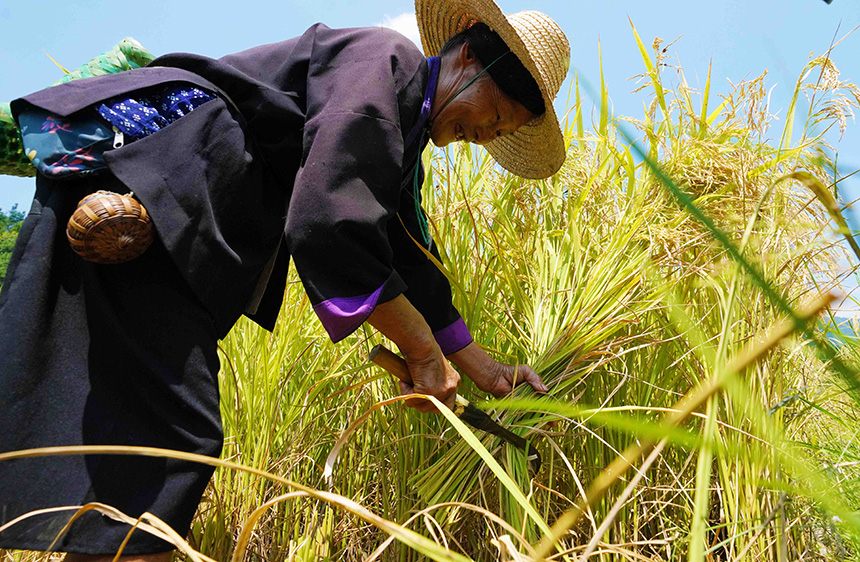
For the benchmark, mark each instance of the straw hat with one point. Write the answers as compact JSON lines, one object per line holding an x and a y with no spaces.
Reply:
{"x":535,"y":150}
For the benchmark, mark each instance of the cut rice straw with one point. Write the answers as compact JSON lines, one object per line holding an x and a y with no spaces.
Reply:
{"x":147,"y":522}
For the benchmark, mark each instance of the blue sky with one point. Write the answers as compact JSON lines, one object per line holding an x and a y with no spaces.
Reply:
{"x":740,"y":38}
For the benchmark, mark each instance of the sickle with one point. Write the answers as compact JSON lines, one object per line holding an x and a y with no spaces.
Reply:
{"x":463,"y":409}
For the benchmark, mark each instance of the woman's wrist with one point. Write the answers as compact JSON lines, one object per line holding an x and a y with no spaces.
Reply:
{"x":468,"y":358}
{"x":476,"y":364}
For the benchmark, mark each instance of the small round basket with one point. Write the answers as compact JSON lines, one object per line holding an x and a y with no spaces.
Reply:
{"x":109,"y":228}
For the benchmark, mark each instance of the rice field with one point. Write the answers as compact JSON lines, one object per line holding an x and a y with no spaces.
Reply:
{"x":670,"y":285}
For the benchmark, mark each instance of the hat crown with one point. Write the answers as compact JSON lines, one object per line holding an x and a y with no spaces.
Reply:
{"x":546,"y":43}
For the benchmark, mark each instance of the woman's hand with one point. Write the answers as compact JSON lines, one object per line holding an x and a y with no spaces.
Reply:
{"x":491,"y":376}
{"x":431,"y":373}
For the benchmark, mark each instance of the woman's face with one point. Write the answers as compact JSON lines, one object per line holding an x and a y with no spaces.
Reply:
{"x":479,"y":114}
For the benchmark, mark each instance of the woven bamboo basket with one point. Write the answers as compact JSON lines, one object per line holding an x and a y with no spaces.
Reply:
{"x":109,"y":228}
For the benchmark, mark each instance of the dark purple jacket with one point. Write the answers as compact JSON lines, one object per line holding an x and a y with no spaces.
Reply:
{"x":301,"y":155}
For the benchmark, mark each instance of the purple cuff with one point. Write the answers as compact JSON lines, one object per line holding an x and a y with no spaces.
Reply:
{"x":342,"y":316}
{"x":453,"y":338}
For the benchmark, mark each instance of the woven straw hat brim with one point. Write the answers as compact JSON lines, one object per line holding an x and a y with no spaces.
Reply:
{"x":536,"y":150}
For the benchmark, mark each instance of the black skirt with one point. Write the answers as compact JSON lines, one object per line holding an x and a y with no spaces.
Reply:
{"x":100,"y":355}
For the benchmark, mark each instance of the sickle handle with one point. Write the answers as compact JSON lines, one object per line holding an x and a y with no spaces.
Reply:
{"x":391,"y":362}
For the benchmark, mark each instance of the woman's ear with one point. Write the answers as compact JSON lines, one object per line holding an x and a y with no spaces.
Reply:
{"x":466,"y":55}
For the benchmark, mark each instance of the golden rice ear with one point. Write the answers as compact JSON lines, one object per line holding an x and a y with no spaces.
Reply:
{"x":109,"y":228}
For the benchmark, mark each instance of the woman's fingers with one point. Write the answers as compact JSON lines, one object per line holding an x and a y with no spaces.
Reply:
{"x":530,"y":376}
{"x":419,"y":404}
{"x":509,"y":376}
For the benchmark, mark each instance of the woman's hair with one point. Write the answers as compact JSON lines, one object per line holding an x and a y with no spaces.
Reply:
{"x":508,"y":72}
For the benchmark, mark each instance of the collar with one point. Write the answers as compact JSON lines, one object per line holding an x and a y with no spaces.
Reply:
{"x":434,"y":63}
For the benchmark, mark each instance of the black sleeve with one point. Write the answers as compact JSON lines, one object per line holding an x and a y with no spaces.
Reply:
{"x":343,"y":230}
{"x":346,"y":190}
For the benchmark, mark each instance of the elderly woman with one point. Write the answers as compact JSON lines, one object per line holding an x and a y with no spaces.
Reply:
{"x":307,"y":149}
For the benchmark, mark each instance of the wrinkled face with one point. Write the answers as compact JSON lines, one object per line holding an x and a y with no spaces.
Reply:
{"x":479,"y":114}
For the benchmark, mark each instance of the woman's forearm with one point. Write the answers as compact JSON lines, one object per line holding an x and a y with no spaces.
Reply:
{"x":401,"y":322}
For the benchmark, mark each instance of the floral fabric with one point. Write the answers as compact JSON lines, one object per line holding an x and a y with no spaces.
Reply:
{"x":149,"y":112}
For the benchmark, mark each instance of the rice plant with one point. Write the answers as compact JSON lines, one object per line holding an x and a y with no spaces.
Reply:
{"x":624,"y":303}
{"x":665,"y":284}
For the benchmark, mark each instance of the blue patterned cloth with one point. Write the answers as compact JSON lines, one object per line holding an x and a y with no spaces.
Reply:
{"x":75,"y":145}
{"x":148,"y":112}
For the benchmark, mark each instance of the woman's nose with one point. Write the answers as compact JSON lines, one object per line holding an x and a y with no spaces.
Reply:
{"x":484,"y":135}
